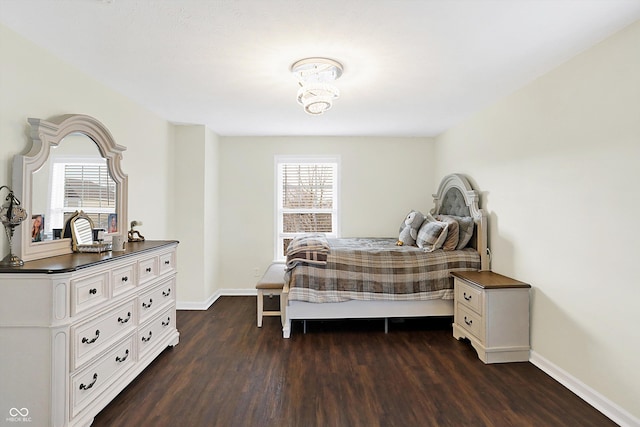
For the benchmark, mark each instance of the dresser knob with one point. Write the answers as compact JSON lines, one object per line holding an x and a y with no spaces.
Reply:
{"x":86,"y":340}
{"x":125,"y":278}
{"x":93,"y":291}
{"x":148,"y":270}
{"x":87,"y":387}
{"x":167,"y":262}
{"x":166,"y":294}
{"x":145,"y":305}
{"x":147,"y":339}
{"x":167,"y":322}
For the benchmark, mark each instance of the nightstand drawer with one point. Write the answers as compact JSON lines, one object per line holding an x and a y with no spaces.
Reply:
{"x":469,"y":320}
{"x":469,"y":296}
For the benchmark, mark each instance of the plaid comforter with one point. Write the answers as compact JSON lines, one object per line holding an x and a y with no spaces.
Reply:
{"x":371,"y":269}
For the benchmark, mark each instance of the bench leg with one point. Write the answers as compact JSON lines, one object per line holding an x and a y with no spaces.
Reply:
{"x":260,"y":303}
{"x":286,"y":322}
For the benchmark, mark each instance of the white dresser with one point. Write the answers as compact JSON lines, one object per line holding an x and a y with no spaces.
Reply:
{"x":492,"y":312}
{"x":76,"y":329}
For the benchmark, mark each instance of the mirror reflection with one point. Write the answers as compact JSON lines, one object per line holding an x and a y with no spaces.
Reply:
{"x":75,"y":177}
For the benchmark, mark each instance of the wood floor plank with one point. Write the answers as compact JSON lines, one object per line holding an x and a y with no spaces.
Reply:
{"x":228,"y":372}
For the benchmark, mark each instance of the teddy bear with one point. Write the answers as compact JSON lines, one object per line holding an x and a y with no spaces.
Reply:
{"x":409,"y":229}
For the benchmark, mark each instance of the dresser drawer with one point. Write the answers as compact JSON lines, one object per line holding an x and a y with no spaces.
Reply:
{"x":469,"y":296}
{"x":123,"y":279}
{"x":89,"y":383}
{"x":147,"y":269}
{"x":469,"y":320}
{"x":167,"y":262}
{"x":156,"y":299}
{"x":152,"y":331}
{"x":92,"y":338}
{"x":86,"y":292}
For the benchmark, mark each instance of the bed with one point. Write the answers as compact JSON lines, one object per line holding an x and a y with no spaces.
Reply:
{"x":374,"y":278}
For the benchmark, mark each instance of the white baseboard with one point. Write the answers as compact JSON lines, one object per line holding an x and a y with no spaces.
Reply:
{"x":586,"y":393}
{"x":204,"y":305}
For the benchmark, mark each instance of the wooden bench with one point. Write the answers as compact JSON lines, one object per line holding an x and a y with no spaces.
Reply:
{"x":271,"y":284}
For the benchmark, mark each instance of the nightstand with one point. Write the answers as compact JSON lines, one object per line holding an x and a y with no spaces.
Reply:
{"x":492,"y":312}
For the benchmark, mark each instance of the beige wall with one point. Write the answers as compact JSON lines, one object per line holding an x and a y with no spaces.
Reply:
{"x":195,"y":194}
{"x":33,"y":83}
{"x":381,"y":179}
{"x":559,"y":165}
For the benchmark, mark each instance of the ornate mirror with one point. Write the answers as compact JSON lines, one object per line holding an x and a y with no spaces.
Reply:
{"x":73,"y":164}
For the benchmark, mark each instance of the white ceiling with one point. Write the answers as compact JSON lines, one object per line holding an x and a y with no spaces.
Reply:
{"x":411,"y":68}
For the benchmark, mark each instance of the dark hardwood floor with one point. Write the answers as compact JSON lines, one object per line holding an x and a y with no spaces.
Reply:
{"x":228,"y":372}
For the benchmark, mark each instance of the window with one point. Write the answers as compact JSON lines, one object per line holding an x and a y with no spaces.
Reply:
{"x":307,"y":198}
{"x":81,"y":184}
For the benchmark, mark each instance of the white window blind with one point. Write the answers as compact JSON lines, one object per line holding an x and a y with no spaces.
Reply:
{"x":88,"y":186}
{"x":307,"y":190}
{"x":81,"y":184}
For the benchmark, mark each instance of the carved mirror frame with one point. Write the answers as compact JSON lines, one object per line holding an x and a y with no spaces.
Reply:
{"x":44,"y":136}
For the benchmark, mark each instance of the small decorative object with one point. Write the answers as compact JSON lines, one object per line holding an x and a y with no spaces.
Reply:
{"x":119,"y":243}
{"x":95,"y":247}
{"x":37,"y":228}
{"x":80,"y":227}
{"x":113,"y":223}
{"x":134,"y":235}
{"x":11,"y":215}
{"x":98,"y":235}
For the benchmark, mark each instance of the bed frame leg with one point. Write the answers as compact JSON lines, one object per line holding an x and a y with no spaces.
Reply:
{"x":386,"y":325}
{"x":286,"y":329}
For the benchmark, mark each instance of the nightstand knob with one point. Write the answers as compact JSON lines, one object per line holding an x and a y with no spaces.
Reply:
{"x":465,"y":296}
{"x":468,"y":322}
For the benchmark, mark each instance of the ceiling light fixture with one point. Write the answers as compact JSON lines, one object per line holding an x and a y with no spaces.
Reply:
{"x":315,"y":75}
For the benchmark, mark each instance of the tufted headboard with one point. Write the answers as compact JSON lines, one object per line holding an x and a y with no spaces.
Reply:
{"x":455,"y":196}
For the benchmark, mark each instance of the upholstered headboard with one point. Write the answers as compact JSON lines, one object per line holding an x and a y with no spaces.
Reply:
{"x":455,"y":196}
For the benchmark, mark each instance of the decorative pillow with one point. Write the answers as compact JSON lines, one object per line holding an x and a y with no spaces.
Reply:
{"x":465,"y":229}
{"x":453,"y":232}
{"x":432,"y":234}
